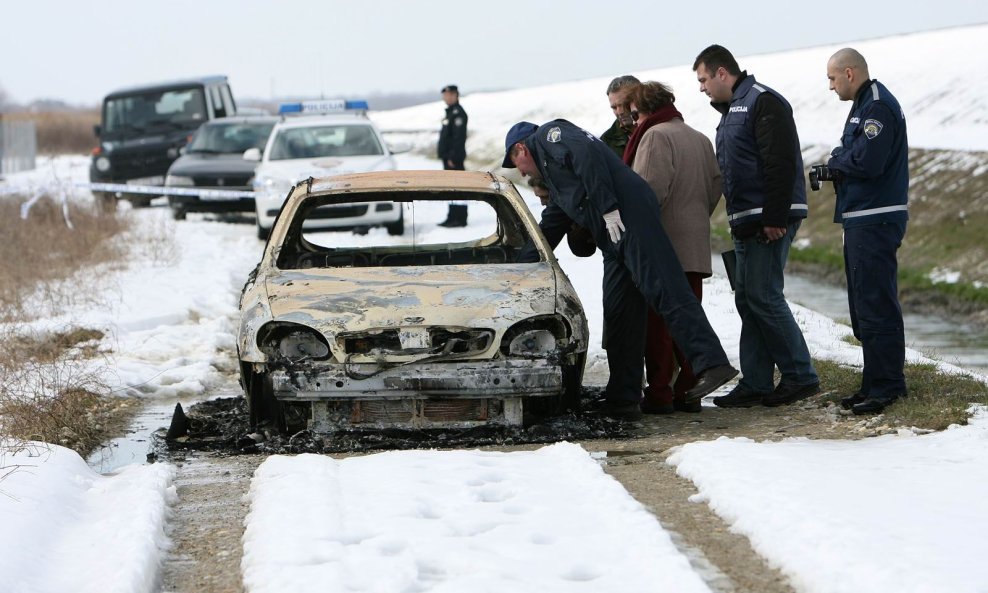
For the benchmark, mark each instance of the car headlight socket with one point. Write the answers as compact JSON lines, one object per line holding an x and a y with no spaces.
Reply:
{"x":102,"y":164}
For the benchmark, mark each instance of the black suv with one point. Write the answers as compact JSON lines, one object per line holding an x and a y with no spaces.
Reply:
{"x":143,"y":128}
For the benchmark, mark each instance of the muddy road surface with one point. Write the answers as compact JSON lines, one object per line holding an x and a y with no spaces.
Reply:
{"x":214,"y":476}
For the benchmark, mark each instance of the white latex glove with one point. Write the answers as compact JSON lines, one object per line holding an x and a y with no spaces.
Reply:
{"x":612,"y":220}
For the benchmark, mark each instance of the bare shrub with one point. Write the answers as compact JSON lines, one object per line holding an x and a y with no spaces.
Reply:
{"x":49,"y":391}
{"x":62,"y":132}
{"x":41,"y":251}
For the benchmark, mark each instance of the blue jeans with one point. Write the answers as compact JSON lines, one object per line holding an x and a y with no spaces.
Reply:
{"x":770,"y":336}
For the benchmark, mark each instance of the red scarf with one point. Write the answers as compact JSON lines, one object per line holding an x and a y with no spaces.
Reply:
{"x":662,"y":115}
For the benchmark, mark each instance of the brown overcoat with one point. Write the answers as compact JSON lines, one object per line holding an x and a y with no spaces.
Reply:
{"x":679,"y":165}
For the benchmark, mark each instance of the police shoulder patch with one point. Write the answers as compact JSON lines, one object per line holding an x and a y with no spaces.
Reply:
{"x":872,"y":128}
{"x":458,"y":121}
{"x":554,"y":135}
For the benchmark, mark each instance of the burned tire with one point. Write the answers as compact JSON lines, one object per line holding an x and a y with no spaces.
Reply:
{"x":265,"y":410}
{"x":572,"y":385}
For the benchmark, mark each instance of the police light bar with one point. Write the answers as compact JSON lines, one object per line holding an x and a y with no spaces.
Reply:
{"x":322,"y":106}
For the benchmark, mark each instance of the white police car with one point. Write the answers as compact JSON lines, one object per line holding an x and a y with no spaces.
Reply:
{"x":321,"y":139}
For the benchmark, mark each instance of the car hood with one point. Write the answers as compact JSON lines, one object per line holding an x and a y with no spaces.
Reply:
{"x":360,"y":299}
{"x":297,"y":169}
{"x":211,"y":164}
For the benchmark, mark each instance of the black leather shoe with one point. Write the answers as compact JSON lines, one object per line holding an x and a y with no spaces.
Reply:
{"x":787,"y":393}
{"x":873,"y":405}
{"x":709,"y":380}
{"x":739,"y":397}
{"x":852,"y":400}
{"x":693,"y":407}
{"x":622,"y":411}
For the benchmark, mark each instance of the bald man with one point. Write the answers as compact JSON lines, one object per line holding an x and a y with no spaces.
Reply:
{"x":870,"y":172}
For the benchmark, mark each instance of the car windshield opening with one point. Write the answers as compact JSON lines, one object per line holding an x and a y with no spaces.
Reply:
{"x":328,"y":233}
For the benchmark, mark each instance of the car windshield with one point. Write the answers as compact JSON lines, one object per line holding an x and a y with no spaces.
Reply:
{"x":496,"y":234}
{"x":140,"y":112}
{"x":232,"y":138}
{"x":325,"y":141}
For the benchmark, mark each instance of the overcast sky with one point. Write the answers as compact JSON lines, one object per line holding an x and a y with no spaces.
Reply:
{"x":77,"y":51}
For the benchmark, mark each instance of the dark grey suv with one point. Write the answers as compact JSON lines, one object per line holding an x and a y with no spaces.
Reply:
{"x":214,"y":160}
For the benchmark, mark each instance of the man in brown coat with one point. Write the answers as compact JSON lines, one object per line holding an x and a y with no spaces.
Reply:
{"x":679,"y":165}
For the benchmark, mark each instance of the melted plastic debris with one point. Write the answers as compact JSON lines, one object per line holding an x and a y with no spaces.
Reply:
{"x":222,"y":425}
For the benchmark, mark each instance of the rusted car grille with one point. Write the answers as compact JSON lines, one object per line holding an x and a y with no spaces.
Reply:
{"x":430,"y":411}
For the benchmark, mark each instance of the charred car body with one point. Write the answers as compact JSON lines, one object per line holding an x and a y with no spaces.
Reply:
{"x":143,"y":128}
{"x":436,"y":328}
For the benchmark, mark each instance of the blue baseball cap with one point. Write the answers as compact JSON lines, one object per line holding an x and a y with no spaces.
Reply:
{"x":518,"y":133}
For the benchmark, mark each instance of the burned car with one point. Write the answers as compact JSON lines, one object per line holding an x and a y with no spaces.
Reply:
{"x":434,"y":328}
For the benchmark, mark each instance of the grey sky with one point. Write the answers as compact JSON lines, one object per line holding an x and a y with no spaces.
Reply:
{"x":77,"y":51}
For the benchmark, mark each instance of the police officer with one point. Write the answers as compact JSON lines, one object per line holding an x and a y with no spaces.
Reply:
{"x":762,"y":172}
{"x":870,"y":172}
{"x":591,"y":186}
{"x":452,"y":148}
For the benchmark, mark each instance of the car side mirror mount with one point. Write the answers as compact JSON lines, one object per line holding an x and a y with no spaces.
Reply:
{"x":253,"y":154}
{"x":399,"y":147}
{"x":97,"y":129}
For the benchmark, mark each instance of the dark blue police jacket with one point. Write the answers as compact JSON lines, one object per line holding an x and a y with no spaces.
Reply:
{"x":586,"y":180}
{"x":874,"y":160}
{"x":740,"y":161}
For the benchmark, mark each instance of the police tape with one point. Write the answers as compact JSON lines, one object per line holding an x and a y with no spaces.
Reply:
{"x":203,"y":193}
{"x":123,"y":188}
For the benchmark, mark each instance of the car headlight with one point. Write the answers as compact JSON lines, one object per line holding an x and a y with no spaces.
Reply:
{"x":537,"y":342}
{"x":292,"y":342}
{"x":178,"y":181}
{"x":102,"y":164}
{"x":272,"y":188}
{"x":535,"y":337}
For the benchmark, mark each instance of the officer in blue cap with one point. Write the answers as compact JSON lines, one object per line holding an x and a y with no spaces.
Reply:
{"x":590,"y":185}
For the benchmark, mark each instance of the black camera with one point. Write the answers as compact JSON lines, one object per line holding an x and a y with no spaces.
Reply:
{"x":820,"y":173}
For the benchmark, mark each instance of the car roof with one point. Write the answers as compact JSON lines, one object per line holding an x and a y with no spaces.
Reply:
{"x":304,"y":121}
{"x":411,"y":180}
{"x":171,"y":84}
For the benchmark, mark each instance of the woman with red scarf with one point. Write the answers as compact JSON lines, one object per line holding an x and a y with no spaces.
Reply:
{"x":678,"y":163}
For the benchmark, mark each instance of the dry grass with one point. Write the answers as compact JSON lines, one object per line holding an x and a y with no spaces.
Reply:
{"x":49,"y":394}
{"x":62,"y":132}
{"x":936,"y":400}
{"x":39,"y":253}
{"x":51,"y":386}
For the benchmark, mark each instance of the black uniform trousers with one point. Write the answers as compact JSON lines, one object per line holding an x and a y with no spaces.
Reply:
{"x":873,"y":300}
{"x":642,"y":271}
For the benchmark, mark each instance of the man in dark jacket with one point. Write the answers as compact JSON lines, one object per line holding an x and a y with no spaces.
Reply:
{"x":870,"y":171}
{"x":452,"y":148}
{"x":617,"y":135}
{"x":591,"y":186}
{"x":762,"y":170}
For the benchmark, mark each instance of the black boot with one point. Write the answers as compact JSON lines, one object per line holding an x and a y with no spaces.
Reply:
{"x":456,"y":217}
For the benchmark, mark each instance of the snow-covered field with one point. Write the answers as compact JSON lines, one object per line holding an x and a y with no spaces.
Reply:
{"x":897,"y":513}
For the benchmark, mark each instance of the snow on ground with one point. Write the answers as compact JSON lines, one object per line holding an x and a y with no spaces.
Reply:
{"x":548,"y":521}
{"x":914,"y":504}
{"x":67,"y":528}
{"x":900,"y":513}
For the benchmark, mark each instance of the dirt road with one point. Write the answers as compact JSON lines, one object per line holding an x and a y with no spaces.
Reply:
{"x":207,"y":522}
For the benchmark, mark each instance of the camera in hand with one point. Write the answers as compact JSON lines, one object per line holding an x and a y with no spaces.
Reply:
{"x":820,"y":173}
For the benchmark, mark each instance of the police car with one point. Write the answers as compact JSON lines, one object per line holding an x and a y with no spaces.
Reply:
{"x":321,"y":139}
